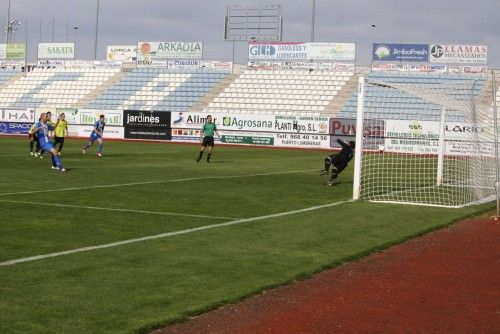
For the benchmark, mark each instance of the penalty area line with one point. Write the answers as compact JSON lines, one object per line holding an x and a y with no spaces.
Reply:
{"x":152,"y":182}
{"x":164,"y":213}
{"x":168,"y":234}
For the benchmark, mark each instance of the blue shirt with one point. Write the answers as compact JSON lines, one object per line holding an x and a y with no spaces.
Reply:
{"x":42,"y":130}
{"x":99,"y":127}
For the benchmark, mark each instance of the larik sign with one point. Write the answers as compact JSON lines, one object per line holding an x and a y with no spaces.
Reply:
{"x":147,"y":124}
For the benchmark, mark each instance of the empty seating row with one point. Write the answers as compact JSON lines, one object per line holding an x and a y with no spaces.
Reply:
{"x":157,"y":88}
{"x":59,"y":87}
{"x":285,"y":89}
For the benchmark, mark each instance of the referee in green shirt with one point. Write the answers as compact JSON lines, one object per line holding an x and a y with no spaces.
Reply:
{"x":207,"y":138}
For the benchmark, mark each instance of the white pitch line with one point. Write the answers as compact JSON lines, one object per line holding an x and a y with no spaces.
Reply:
{"x":115,"y":209}
{"x":149,"y":182}
{"x":166,"y":235}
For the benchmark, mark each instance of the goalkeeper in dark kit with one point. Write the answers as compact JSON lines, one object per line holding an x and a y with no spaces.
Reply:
{"x":338,"y":161}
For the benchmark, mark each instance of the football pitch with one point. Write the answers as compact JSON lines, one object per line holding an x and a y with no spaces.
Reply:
{"x":146,"y":236}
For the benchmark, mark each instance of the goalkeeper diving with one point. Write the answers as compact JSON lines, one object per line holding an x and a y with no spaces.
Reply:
{"x":338,"y":161}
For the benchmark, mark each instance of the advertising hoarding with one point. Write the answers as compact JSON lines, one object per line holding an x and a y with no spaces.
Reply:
{"x":169,"y":50}
{"x":459,"y":54}
{"x":147,"y":125}
{"x":422,"y":137}
{"x":84,"y":131}
{"x":186,"y":64}
{"x":407,"y":68}
{"x":123,"y":53}
{"x":56,"y":50}
{"x":10,"y":128}
{"x":301,"y":51}
{"x":252,"y":122}
{"x":345,"y":129}
{"x":17,"y":115}
{"x":400,"y":52}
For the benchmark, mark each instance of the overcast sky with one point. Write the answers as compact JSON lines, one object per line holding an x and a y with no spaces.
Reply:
{"x":129,"y":21}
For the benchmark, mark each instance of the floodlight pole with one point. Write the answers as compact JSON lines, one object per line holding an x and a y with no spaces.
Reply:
{"x":495,"y":124}
{"x":7,"y":27}
{"x":53,"y":28}
{"x":40,"y":31}
{"x":232,"y":59}
{"x":96,"y":30}
{"x":313,"y":19}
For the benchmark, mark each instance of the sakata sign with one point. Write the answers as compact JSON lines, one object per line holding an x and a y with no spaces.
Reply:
{"x":56,"y":50}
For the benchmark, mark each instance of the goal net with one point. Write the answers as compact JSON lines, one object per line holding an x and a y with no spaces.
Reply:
{"x":425,"y":143}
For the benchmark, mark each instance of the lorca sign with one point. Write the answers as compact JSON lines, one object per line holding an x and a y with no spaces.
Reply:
{"x":56,"y":50}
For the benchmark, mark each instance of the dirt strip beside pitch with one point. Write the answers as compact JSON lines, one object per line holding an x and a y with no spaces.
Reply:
{"x":447,"y":281}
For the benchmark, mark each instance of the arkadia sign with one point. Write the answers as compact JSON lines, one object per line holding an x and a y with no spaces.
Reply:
{"x":400,"y":52}
{"x":147,"y":124}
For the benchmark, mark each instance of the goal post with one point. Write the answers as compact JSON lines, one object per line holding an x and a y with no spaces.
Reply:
{"x":434,"y":145}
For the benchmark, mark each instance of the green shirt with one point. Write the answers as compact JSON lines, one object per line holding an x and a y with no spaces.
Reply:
{"x":209,"y":129}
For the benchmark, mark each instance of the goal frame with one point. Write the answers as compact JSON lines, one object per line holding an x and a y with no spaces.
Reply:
{"x":360,"y":150}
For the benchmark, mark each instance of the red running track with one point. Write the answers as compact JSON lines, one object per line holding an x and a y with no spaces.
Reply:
{"x":447,"y":281}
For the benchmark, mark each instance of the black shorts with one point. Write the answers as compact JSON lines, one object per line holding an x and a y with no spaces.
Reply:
{"x":208,"y":141}
{"x":58,"y":140}
{"x":338,"y":162}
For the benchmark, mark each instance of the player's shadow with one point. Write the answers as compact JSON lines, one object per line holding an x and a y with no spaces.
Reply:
{"x":221,"y":161}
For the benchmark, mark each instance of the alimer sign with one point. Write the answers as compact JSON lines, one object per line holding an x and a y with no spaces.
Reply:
{"x":56,"y":50}
{"x":400,"y":52}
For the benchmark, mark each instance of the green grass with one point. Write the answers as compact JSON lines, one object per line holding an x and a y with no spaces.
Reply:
{"x":140,"y":286}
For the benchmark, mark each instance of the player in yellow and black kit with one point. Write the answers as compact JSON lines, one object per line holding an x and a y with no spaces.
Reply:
{"x":207,"y":138}
{"x":60,"y":132}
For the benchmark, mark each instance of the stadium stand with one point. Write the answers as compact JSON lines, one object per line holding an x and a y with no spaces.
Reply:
{"x":253,"y":91}
{"x":6,"y":75}
{"x":58,"y":87}
{"x":157,"y":89}
{"x":277,"y":90}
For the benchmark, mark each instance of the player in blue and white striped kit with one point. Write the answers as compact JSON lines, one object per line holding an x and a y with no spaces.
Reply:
{"x":42,"y":129}
{"x":96,"y":135}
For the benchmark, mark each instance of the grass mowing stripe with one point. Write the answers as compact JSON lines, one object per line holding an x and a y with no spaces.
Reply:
{"x":166,"y":235}
{"x":115,"y":209}
{"x":152,"y":182}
